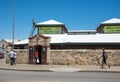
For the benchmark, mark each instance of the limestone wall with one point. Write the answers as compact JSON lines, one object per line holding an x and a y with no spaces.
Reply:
{"x":71,"y":57}
{"x":83,"y":57}
{"x":22,"y":56}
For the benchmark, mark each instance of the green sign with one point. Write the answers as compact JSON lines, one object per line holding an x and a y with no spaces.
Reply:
{"x":49,"y":30}
{"x":111,"y":29}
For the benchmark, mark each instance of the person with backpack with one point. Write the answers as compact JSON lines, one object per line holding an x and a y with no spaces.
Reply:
{"x":11,"y":56}
{"x":15,"y":57}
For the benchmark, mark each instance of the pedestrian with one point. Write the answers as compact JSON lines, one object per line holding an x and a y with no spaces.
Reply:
{"x":11,"y":56}
{"x":104,"y":58}
{"x":36,"y":58}
{"x":15,"y":57}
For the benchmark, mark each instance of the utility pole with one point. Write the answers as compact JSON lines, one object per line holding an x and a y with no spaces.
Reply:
{"x":12,"y":24}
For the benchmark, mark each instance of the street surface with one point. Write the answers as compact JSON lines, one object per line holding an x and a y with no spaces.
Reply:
{"x":30,"y":76}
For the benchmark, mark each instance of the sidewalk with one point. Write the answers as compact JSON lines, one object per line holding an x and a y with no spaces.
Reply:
{"x":58,"y":68}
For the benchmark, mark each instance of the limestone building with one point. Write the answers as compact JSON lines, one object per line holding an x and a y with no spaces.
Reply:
{"x":53,"y":35}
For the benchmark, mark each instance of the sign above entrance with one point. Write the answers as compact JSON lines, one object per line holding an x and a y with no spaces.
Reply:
{"x":111,"y":29}
{"x":49,"y":30}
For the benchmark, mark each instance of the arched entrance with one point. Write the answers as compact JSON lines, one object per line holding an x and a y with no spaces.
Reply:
{"x":41,"y":44}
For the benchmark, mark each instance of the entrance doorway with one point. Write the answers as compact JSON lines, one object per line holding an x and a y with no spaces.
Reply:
{"x":38,"y":48}
{"x":42,"y":53}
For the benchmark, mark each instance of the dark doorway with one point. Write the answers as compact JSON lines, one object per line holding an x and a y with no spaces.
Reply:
{"x":39,"y":49}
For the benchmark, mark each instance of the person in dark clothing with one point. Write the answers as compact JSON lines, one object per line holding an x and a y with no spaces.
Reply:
{"x":104,"y":58}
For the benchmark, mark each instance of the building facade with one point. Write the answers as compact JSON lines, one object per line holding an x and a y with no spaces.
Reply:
{"x":57,"y":45}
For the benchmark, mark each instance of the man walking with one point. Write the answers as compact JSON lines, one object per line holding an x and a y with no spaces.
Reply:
{"x":11,"y":55}
{"x":104,"y":58}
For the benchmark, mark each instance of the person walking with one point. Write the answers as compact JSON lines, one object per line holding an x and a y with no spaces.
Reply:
{"x":11,"y":56}
{"x":15,"y":57}
{"x":104,"y":58}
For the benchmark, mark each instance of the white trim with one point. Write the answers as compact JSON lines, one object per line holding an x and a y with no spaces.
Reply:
{"x":65,"y":38}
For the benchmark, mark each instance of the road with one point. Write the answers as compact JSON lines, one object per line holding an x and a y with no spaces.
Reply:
{"x":29,"y":76}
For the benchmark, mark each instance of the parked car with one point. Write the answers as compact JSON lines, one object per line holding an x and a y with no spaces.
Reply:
{"x":1,"y":55}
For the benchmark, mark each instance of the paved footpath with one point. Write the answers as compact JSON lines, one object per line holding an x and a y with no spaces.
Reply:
{"x":58,"y":68}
